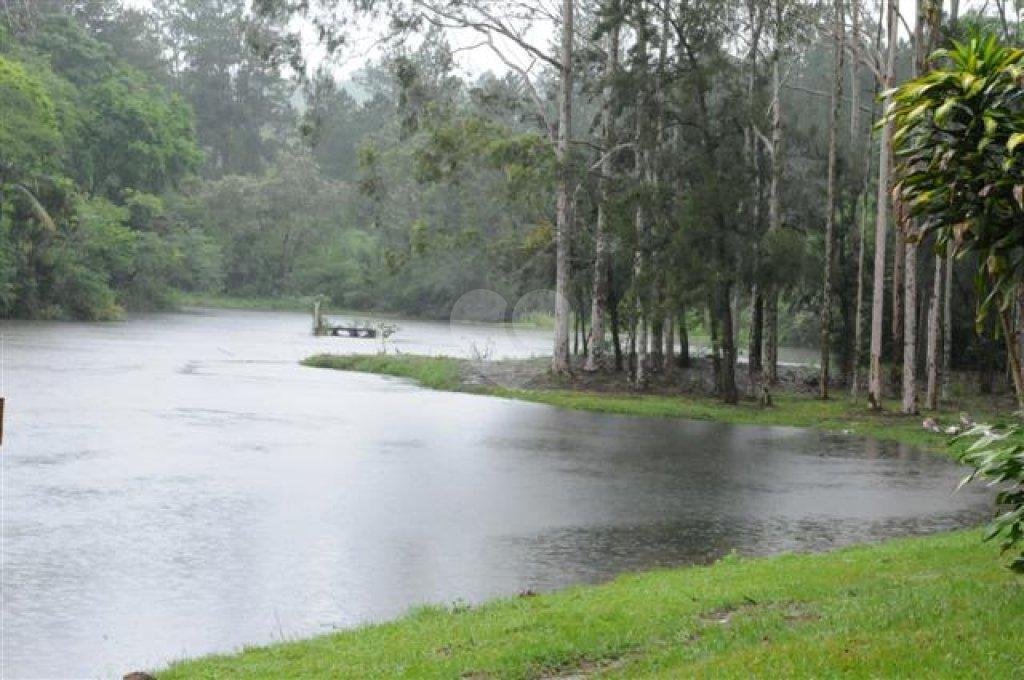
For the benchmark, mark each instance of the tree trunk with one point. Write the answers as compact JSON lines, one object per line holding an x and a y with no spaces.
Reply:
{"x":858,"y":319}
{"x":613,"y":316}
{"x":899,"y":257}
{"x":932,"y":355}
{"x":771,"y":344}
{"x":947,"y":327}
{"x":684,"y":339}
{"x":641,"y":226}
{"x":716,"y":350}
{"x":657,"y":328}
{"x":882,"y":223}
{"x":756,"y":333}
{"x":830,"y":200}
{"x":640,"y":323}
{"x":925,"y":27}
{"x":656,"y":216}
{"x":657,"y":338}
{"x":584,"y":334}
{"x":599,"y":304}
{"x":771,"y":337}
{"x":751,"y":149}
{"x":1012,"y":356}
{"x":670,"y":343}
{"x":730,"y":395}
{"x":910,"y":328}
{"x":855,"y":86}
{"x":563,"y":208}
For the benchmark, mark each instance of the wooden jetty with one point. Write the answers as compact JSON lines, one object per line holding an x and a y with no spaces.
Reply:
{"x":324,"y":326}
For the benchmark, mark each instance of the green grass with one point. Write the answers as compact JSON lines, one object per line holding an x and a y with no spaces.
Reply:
{"x":934,"y":607}
{"x":439,"y":373}
{"x":836,"y":415}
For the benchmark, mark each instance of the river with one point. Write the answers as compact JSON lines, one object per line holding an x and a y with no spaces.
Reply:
{"x":177,"y":484}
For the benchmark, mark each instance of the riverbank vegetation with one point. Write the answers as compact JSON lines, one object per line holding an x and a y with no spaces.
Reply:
{"x":937,"y":607}
{"x":794,"y":406}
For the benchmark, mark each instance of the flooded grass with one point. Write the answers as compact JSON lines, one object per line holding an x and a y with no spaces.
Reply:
{"x":940,"y":606}
{"x":791,"y":410}
{"x":836,"y":415}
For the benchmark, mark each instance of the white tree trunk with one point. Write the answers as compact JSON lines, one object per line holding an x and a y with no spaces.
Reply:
{"x":563,"y":215}
{"x":599,"y":304}
{"x":641,"y":224}
{"x":830,"y":199}
{"x":882,"y":223}
{"x":947,"y":327}
{"x":771,"y":303}
{"x":858,"y":319}
{"x":932,"y":353}
{"x":910,"y":328}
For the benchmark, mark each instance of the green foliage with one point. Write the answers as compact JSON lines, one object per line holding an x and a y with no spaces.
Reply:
{"x":29,"y":137}
{"x":959,"y":138}
{"x":200,"y":261}
{"x":141,"y":137}
{"x":104,"y":238}
{"x":997,"y":456}
{"x":86,"y":142}
{"x":269,"y":227}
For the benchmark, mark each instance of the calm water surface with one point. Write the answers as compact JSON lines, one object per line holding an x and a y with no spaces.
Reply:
{"x":176,"y":485}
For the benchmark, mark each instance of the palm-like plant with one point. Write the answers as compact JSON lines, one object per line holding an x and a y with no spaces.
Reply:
{"x":959,"y":144}
{"x":958,"y":139}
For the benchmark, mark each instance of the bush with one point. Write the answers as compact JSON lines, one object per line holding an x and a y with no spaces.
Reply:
{"x":997,"y":455}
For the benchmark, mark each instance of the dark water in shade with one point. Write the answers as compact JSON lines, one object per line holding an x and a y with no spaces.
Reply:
{"x":178,"y":485}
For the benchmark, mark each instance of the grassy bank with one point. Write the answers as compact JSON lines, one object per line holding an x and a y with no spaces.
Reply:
{"x":438,"y":373}
{"x":939,"y":606}
{"x":837,"y":415}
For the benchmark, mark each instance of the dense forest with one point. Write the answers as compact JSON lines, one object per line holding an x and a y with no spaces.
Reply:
{"x":649,"y":171}
{"x":129,"y":172}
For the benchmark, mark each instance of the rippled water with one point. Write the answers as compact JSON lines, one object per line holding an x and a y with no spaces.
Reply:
{"x":177,"y":484}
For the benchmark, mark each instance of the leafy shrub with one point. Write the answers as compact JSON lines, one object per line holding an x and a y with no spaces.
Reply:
{"x":997,"y":454}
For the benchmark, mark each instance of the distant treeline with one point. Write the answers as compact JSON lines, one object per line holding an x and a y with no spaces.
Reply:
{"x":143,"y":152}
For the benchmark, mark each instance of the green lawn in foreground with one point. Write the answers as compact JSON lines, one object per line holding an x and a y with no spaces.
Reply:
{"x":838,"y":414}
{"x":934,"y":607}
